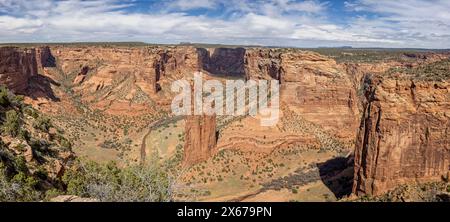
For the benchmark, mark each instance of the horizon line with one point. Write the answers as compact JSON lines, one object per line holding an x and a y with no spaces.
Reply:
{"x":348,"y":47}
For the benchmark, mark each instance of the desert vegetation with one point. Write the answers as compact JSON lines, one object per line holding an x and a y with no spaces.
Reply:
{"x":435,"y":71}
{"x":359,"y":55}
{"x":107,"y":134}
{"x":108,"y":182}
{"x":36,"y":163}
{"x":420,"y":192}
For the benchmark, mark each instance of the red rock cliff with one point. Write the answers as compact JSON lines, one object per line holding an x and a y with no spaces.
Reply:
{"x":403,"y":136}
{"x":200,"y":136}
{"x":312,"y":85}
{"x":263,"y":64}
{"x":121,"y":79}
{"x":45,"y":57}
{"x":17,"y":66}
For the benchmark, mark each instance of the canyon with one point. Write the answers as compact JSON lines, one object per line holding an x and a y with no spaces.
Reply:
{"x":372,"y":125}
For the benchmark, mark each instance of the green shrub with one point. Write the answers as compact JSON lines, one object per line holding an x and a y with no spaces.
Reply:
{"x":41,"y":173}
{"x":20,"y":164}
{"x":25,"y":187}
{"x":23,"y":179}
{"x":24,"y":134}
{"x":52,"y":193}
{"x":107,"y":182}
{"x":30,"y":111}
{"x":64,"y":143}
{"x":4,"y":98}
{"x":42,"y":123}
{"x":12,"y":123}
{"x":18,"y":99}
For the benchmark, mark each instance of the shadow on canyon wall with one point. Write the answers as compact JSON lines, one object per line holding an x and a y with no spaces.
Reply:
{"x":228,"y":62}
{"x":49,"y":62}
{"x":41,"y":87}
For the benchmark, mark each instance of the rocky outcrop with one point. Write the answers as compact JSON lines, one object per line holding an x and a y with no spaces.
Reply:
{"x":81,"y":76}
{"x":263,"y":64}
{"x":174,"y":63}
{"x":17,"y":66}
{"x":200,"y":138}
{"x":45,"y":57}
{"x":403,"y":136}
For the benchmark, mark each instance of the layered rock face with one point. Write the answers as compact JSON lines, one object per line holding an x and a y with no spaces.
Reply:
{"x":200,"y":138}
{"x":263,"y":64}
{"x":313,"y":86}
{"x":17,"y":66}
{"x":319,"y":90}
{"x":403,"y":136}
{"x":123,"y":79}
{"x":44,"y":57}
{"x":175,"y":63}
{"x":403,"y":133}
{"x":146,"y":66}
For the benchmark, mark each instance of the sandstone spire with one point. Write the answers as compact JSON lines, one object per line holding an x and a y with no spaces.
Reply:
{"x":200,"y":138}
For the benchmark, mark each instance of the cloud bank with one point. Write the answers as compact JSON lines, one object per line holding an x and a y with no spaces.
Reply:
{"x":301,"y":23}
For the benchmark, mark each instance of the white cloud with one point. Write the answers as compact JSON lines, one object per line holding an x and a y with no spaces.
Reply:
{"x":414,"y":23}
{"x":303,"y":6}
{"x":193,"y":4}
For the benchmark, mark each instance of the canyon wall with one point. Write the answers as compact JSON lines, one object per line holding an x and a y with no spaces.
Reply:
{"x":44,"y":57}
{"x":121,"y":79}
{"x":200,"y":138}
{"x":314,"y":86}
{"x":403,"y":136}
{"x":17,"y":66}
{"x":263,"y":64}
{"x":318,"y":89}
{"x":146,"y":66}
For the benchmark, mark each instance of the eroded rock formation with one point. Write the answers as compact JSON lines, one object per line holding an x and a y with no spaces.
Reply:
{"x":45,"y":57}
{"x":143,"y":66}
{"x":403,"y":136}
{"x":311,"y":84}
{"x":120,"y":79}
{"x":200,"y":138}
{"x":317,"y":88}
{"x":17,"y":66}
{"x":263,"y":64}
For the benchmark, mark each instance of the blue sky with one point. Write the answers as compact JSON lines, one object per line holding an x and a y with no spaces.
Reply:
{"x":299,"y":23}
